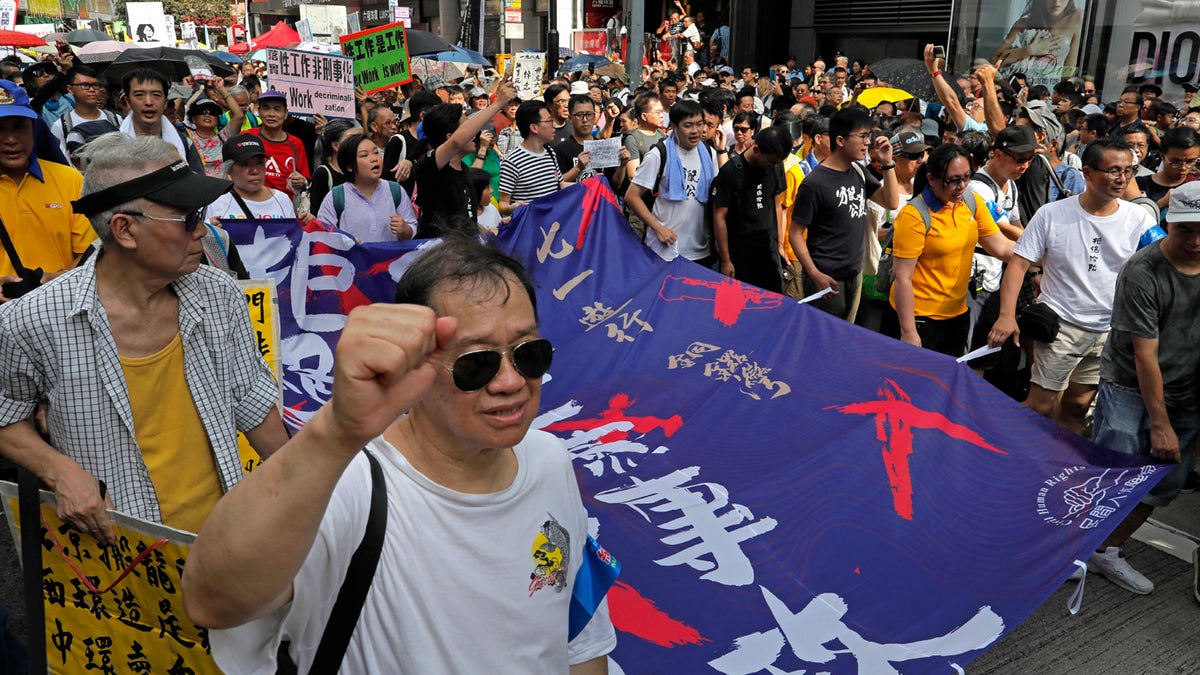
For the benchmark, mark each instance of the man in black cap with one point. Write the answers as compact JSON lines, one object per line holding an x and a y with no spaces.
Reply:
{"x":144,"y":359}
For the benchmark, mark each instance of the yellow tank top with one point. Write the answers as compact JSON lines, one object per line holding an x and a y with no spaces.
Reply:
{"x":171,"y":437}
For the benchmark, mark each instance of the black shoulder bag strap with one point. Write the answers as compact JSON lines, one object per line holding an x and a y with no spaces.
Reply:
{"x":242,"y":204}
{"x":344,"y":617}
{"x":10,"y":249}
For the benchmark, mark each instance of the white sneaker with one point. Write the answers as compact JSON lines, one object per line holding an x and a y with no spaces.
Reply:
{"x":1111,"y":563}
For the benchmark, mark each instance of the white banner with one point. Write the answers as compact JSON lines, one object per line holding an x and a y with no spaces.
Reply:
{"x":148,"y":24}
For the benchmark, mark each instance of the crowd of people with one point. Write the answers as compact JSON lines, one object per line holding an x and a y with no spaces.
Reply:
{"x":1035,"y":220}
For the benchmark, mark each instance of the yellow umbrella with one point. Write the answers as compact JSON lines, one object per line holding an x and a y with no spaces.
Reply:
{"x":876,"y":95}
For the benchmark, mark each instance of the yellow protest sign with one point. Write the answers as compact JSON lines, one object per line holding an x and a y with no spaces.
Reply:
{"x":136,"y":623}
{"x":264,"y":319}
{"x":502,"y":63}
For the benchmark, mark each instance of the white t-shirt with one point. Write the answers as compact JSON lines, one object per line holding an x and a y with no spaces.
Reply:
{"x":1081,"y":255}
{"x":76,"y":120}
{"x":691,"y":35}
{"x":452,"y":592}
{"x":490,"y":218}
{"x":686,"y":217}
{"x":278,"y":205}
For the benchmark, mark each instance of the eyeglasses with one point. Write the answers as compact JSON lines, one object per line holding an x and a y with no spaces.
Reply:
{"x":864,"y":136}
{"x":911,"y":155}
{"x":740,"y":130}
{"x":583,"y":115}
{"x":189,"y":220}
{"x":1116,"y":172}
{"x":89,"y":86}
{"x":474,"y":370}
{"x":545,"y":121}
{"x":1180,"y":163}
{"x":957,"y":181}
{"x":1021,"y":159}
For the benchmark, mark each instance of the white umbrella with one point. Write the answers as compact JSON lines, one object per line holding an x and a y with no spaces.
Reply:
{"x":102,"y":52}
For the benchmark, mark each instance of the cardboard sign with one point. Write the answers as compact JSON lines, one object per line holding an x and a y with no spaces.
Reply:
{"x":380,"y":57}
{"x":264,"y":319}
{"x":605,"y":153}
{"x":527,"y":74}
{"x":314,"y":83}
{"x":136,"y":626}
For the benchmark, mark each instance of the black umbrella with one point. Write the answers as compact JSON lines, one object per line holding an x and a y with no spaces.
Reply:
{"x":578,"y":64}
{"x":87,"y":36}
{"x":911,"y":75}
{"x":423,"y":42}
{"x":176,"y":64}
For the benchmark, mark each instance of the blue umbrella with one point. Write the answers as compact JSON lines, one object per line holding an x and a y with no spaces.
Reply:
{"x":460,"y":55}
{"x":227,"y":57}
{"x":580,"y":63}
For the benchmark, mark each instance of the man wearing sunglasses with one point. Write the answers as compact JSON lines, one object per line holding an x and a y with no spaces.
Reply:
{"x":143,"y":358}
{"x":485,"y":526}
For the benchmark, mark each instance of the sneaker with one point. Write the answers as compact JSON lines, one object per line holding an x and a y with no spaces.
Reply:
{"x":1111,"y":563}
{"x":1191,"y":484}
{"x":1196,"y":573}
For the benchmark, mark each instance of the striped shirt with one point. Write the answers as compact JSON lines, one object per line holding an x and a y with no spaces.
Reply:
{"x":56,"y":347}
{"x":525,"y":176}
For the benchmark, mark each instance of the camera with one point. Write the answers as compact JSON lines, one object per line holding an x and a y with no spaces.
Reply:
{"x":30,"y":280}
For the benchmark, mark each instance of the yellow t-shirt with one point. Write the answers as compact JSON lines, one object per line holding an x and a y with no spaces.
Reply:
{"x":44,"y":229}
{"x":793,"y":175}
{"x":943,"y":256}
{"x":171,"y":437}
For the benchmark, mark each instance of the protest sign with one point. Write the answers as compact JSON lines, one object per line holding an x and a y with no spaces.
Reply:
{"x":304,"y":29}
{"x":527,"y":74}
{"x":313,"y":82}
{"x":148,"y":23}
{"x":135,"y":623}
{"x":264,"y":320}
{"x":352,"y":23}
{"x":380,"y":57}
{"x":604,"y":153}
{"x":781,"y":486}
{"x":8,"y":14}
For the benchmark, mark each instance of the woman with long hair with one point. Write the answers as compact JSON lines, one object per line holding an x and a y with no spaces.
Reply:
{"x":933,"y":240}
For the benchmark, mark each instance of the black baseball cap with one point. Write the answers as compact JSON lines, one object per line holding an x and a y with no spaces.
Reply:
{"x":1016,"y":139}
{"x":243,"y":147}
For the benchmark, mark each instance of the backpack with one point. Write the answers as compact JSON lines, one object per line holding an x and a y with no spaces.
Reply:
{"x":111,"y":117}
{"x":1063,"y":192}
{"x":339,"y":198}
{"x":884,"y":278}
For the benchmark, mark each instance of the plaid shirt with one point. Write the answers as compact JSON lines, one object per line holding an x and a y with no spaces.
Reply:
{"x":56,"y":347}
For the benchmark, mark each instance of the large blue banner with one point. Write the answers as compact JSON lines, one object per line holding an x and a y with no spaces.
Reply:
{"x":786,"y":492}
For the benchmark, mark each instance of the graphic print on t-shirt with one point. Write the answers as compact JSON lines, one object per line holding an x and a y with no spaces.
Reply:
{"x":691,"y":179}
{"x":854,"y":199}
{"x":551,"y":557}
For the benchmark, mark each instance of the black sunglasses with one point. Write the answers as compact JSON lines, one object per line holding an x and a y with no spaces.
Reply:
{"x":190,"y":220}
{"x":474,"y":370}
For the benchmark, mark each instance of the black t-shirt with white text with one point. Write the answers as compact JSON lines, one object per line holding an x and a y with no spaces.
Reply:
{"x":833,"y":206}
